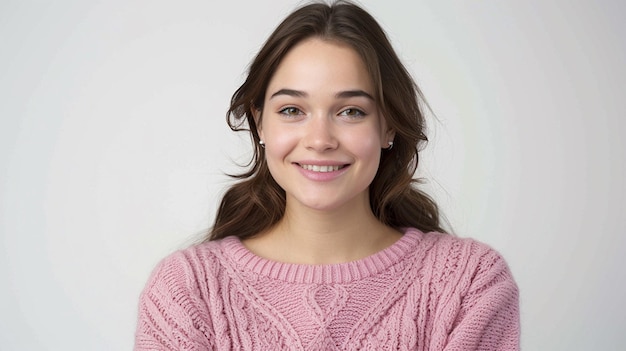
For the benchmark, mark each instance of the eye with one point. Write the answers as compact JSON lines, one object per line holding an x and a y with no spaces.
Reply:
{"x":290,"y":111}
{"x":352,"y":112}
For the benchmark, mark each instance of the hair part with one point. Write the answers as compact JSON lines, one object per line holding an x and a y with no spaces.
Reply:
{"x":257,"y":202}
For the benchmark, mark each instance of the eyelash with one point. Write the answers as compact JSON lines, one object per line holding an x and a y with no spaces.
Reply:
{"x":285,"y":112}
{"x":359,"y":113}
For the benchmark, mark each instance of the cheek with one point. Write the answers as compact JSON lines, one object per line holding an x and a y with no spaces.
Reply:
{"x":373,"y":134}
{"x":278,"y":144}
{"x":367,"y":142}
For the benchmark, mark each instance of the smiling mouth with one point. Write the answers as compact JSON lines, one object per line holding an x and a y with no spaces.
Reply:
{"x":322,"y":169}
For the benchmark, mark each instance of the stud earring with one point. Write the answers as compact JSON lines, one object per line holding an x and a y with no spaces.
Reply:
{"x":390,"y":145}
{"x":262,"y":143}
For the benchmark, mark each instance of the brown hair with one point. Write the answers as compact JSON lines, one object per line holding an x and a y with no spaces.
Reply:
{"x":257,"y":202}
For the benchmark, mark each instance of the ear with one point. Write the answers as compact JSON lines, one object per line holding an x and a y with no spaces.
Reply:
{"x":256,"y":114}
{"x":391,"y":134}
{"x":388,"y":134}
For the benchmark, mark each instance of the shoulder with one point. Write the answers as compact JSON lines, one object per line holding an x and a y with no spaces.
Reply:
{"x":190,"y":269}
{"x":465,"y":260}
{"x":472,"y":286}
{"x":441,"y":246}
{"x":173,"y":309}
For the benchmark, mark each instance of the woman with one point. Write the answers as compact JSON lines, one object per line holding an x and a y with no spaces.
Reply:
{"x":326,"y":244}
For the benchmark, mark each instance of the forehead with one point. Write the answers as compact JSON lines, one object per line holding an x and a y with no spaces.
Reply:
{"x":317,"y":65}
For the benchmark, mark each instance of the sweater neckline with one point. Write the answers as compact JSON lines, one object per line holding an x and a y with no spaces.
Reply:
{"x":246,"y":260}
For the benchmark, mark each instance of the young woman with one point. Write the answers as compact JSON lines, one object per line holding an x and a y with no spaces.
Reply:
{"x":325,"y":243}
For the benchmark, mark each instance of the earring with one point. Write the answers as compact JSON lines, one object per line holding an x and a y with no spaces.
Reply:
{"x":390,"y":145}
{"x":262,"y":143}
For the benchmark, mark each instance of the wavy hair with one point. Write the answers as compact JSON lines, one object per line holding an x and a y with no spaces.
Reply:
{"x":257,"y":202}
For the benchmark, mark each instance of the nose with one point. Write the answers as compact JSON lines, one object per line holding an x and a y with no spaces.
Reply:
{"x":320,"y":134}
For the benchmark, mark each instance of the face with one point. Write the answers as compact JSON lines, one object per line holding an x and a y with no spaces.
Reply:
{"x":321,"y":126}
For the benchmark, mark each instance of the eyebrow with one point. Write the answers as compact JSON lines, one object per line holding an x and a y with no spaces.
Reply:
{"x":289,"y":92}
{"x":353,"y":93}
{"x":340,"y":95}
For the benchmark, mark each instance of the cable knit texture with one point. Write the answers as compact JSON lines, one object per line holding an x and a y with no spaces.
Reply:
{"x":425,"y":292}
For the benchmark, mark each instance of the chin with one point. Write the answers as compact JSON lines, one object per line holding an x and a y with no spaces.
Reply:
{"x":328,"y":205}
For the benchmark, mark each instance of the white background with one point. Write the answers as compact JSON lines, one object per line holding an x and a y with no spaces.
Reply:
{"x":113,"y":147}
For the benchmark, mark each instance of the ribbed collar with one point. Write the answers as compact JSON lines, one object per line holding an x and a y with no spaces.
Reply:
{"x":371,"y":265}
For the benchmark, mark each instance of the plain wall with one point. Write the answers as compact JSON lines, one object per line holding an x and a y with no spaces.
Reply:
{"x":113,"y":148}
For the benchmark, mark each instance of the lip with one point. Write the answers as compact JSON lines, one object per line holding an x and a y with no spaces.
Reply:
{"x":322,"y":176}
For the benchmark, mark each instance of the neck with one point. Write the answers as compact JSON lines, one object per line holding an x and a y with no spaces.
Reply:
{"x":310,"y":236}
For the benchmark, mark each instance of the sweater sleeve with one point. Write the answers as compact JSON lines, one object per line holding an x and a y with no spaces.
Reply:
{"x":489,"y":314}
{"x":171,"y":310}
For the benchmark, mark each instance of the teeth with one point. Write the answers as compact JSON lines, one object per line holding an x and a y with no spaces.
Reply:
{"x":322,"y":169}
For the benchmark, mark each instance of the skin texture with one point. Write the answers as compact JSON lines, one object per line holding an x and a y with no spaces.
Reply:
{"x":319,"y":115}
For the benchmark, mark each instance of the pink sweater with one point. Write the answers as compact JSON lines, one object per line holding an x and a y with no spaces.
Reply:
{"x":425,"y":292}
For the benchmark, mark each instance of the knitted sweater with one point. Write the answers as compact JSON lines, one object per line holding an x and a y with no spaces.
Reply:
{"x":425,"y":292}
